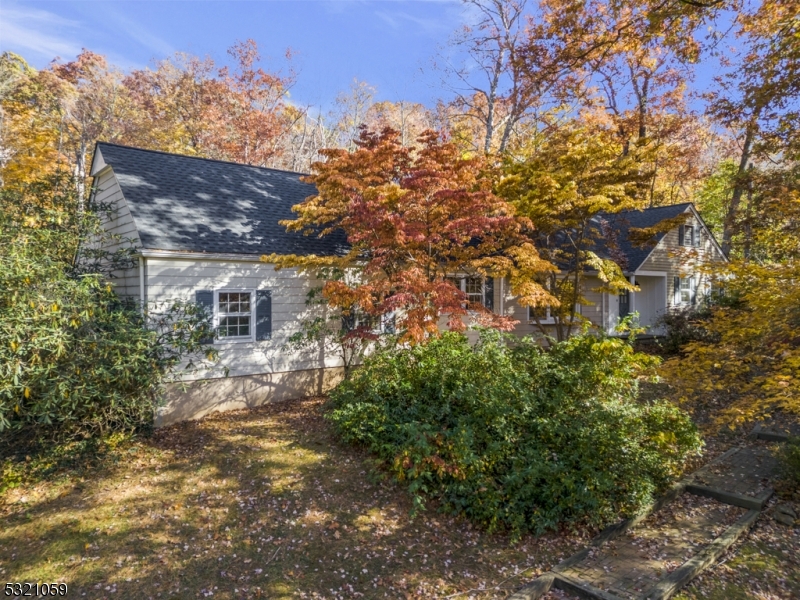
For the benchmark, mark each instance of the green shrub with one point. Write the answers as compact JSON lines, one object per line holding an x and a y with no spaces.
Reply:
{"x":513,"y":436}
{"x":76,"y":361}
{"x":682,"y":326}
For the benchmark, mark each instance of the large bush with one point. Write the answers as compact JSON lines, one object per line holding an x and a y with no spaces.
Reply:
{"x":513,"y":436}
{"x":76,"y":361}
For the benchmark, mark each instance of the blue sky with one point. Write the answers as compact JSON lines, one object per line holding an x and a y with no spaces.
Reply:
{"x":387,"y":43}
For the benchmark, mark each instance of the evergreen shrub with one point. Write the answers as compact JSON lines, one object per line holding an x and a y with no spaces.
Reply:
{"x":515,"y":437}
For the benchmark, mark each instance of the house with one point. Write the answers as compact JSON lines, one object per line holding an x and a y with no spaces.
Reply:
{"x":666,"y":270}
{"x":200,"y":226}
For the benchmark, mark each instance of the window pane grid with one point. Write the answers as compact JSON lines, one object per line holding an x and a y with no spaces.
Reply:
{"x":234,"y":311}
{"x":686,"y":290}
{"x":474,"y":289}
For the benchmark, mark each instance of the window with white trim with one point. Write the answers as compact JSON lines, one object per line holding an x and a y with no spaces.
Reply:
{"x":688,"y":235}
{"x":473,"y":287}
{"x":540,"y":312}
{"x":235,"y":315}
{"x":686,"y":290}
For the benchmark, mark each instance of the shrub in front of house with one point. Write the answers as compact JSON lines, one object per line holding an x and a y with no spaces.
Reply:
{"x":515,"y":437}
{"x":76,"y":361}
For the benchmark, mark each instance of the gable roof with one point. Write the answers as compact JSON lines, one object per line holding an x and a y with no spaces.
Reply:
{"x":622,"y":222}
{"x":190,"y":204}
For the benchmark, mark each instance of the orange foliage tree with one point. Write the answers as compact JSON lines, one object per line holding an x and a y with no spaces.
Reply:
{"x":412,"y":219}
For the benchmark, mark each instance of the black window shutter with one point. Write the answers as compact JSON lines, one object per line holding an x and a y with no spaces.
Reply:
{"x":488,"y":293}
{"x":676,"y":291}
{"x":693,"y":286}
{"x":205,"y":298}
{"x":681,"y":234}
{"x":698,"y":236}
{"x":263,"y":315}
{"x":348,"y":322}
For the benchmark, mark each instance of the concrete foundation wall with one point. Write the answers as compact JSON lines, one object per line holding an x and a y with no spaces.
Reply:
{"x":198,"y":398}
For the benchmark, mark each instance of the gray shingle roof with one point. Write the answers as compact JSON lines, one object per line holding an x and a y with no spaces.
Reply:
{"x":621,"y":224}
{"x":193,"y":204}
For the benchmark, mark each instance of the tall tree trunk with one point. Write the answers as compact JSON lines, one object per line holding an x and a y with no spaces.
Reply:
{"x":739,"y":189}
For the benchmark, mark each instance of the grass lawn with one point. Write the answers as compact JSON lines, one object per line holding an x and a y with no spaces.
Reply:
{"x":261,"y":503}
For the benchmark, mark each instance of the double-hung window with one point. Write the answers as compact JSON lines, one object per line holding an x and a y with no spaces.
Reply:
{"x":235,"y":315}
{"x":690,"y":235}
{"x":477,"y":289}
{"x":540,"y":314}
{"x":685,"y":291}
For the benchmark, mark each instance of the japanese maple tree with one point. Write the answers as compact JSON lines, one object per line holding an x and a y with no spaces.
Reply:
{"x":412,"y":218}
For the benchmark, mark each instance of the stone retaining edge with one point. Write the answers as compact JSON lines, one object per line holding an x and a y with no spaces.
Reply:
{"x":760,"y":433}
{"x":535,"y":589}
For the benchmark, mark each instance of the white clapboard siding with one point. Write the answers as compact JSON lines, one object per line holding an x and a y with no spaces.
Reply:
{"x":179,"y":279}
{"x":119,"y":224}
{"x":593,"y":311}
{"x":679,"y":261}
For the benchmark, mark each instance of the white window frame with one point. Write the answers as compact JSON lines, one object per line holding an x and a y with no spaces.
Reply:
{"x":692,"y":289}
{"x":382,"y":322}
{"x":218,"y":316}
{"x":689,"y":233}
{"x":462,"y":285}
{"x":548,"y":320}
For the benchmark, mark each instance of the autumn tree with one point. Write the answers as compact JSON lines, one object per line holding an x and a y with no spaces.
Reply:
{"x":409,"y":119}
{"x":757,"y":97}
{"x":747,"y":363}
{"x":568,"y":184}
{"x":492,"y":89}
{"x":173,"y":105}
{"x":91,"y":99}
{"x":29,"y":123}
{"x":350,"y":111}
{"x":411,"y":218}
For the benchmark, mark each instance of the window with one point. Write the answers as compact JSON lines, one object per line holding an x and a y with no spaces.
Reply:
{"x":542,"y":313}
{"x":477,"y":290}
{"x":685,"y":291}
{"x":473,"y":286}
{"x":235,"y":313}
{"x":385,"y":323}
{"x":688,"y":235}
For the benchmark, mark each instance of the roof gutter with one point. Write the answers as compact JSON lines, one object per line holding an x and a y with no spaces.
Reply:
{"x":188,"y":255}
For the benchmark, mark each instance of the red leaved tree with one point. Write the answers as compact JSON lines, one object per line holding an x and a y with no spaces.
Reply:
{"x":413,"y":218}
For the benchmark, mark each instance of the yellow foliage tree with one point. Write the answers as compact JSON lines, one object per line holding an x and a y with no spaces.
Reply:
{"x":752,"y":365}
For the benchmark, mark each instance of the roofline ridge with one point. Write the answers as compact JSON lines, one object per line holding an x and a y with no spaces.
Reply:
{"x":216,"y":160}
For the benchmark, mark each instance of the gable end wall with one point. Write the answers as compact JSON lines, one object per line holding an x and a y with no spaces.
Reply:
{"x":120,"y":223}
{"x":679,"y":261}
